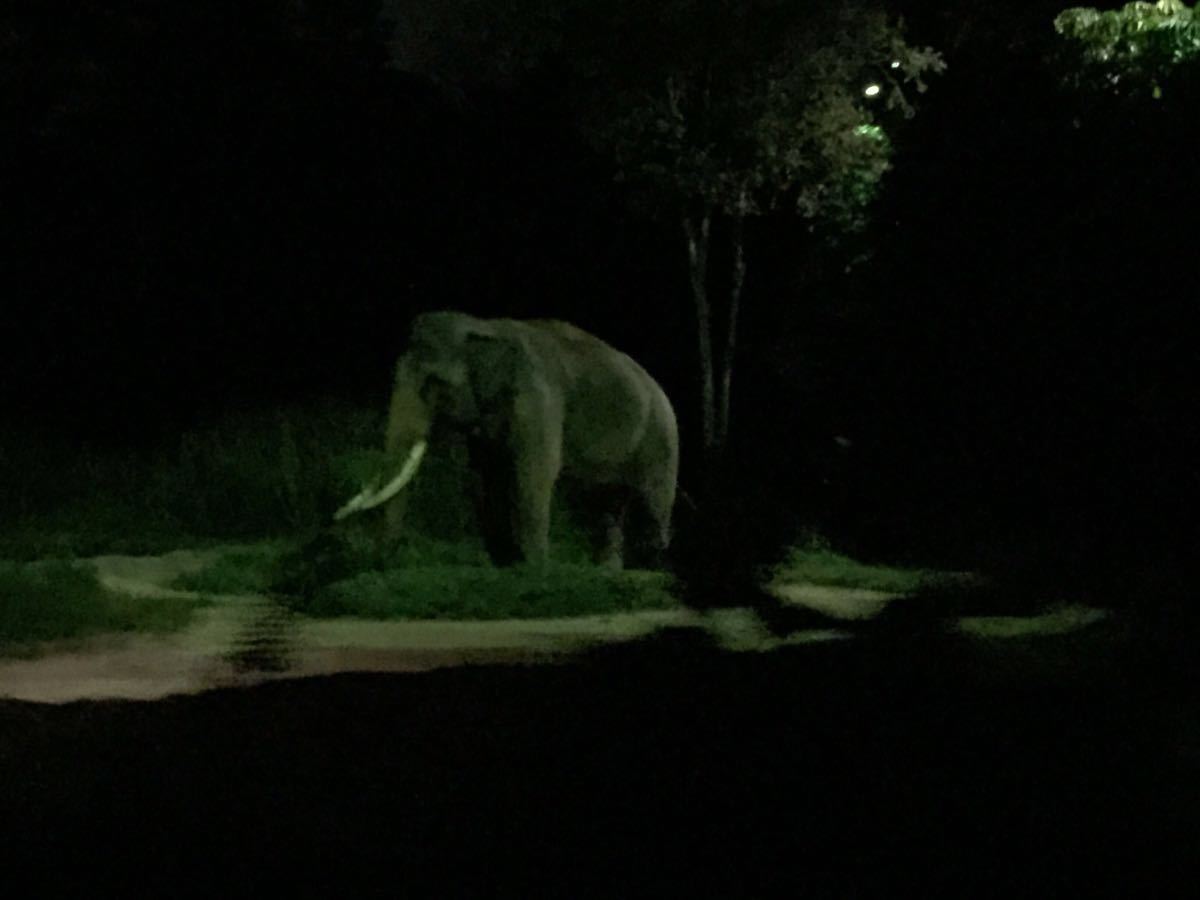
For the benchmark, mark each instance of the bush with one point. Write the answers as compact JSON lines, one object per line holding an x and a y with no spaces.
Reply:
{"x":251,"y":475}
{"x":52,"y":600}
{"x":260,"y":475}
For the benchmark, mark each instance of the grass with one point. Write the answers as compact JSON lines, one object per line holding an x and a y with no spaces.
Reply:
{"x":248,"y":476}
{"x":482,"y":592}
{"x":422,"y":578}
{"x":273,"y":477}
{"x":248,"y":570}
{"x":60,"y":600}
{"x":276,"y":476}
{"x":1062,"y":619}
{"x":83,"y":535}
{"x":815,"y":564}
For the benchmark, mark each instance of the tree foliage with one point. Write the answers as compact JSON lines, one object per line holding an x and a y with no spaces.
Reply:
{"x":711,"y":111}
{"x":1132,"y":48}
{"x":755,"y":105}
{"x":729,"y":110}
{"x":740,"y":105}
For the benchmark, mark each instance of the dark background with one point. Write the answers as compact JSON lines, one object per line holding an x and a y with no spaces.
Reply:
{"x":226,"y":206}
{"x":211,"y":207}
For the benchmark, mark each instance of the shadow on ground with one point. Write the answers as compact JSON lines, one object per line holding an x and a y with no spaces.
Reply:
{"x":663,"y":765}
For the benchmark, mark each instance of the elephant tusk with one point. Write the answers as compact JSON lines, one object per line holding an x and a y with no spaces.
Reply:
{"x":397,"y":484}
{"x":370,"y":499}
{"x":353,"y":506}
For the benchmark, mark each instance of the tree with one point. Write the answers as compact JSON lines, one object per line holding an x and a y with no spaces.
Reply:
{"x":714,"y":111}
{"x":1132,"y":48}
{"x":725,"y":111}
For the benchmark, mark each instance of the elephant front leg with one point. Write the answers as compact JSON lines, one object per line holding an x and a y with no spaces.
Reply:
{"x":536,"y":442}
{"x":532,"y":515}
{"x":393,"y":517}
{"x":493,"y":495}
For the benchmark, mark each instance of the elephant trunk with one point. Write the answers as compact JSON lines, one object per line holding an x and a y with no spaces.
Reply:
{"x":409,"y":420}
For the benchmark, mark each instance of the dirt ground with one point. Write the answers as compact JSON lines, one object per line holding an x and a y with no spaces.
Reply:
{"x":240,"y":641}
{"x":244,"y":640}
{"x":676,"y":762}
{"x":666,"y":765}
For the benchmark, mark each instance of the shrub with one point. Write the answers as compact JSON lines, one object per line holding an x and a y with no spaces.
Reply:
{"x":249,"y":475}
{"x":52,"y":600}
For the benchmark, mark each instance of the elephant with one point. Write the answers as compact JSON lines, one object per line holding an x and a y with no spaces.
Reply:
{"x":535,"y":399}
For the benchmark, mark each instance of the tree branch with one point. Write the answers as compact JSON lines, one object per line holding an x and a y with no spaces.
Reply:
{"x":737,"y":279}
{"x":697,"y":234}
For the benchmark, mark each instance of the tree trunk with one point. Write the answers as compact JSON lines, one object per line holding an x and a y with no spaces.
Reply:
{"x":737,"y":277}
{"x":697,"y":243}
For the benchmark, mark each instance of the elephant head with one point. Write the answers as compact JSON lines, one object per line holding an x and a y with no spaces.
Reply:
{"x":454,"y":368}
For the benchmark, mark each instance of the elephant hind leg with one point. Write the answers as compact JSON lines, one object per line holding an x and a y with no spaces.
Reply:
{"x":602,"y":509}
{"x":650,"y":526}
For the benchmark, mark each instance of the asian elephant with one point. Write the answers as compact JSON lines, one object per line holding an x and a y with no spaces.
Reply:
{"x":536,"y":400}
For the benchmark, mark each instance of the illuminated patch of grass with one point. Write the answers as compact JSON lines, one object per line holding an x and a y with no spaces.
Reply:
{"x":1061,"y":620}
{"x":485,"y":592}
{"x":423,"y":578}
{"x":56,"y":600}
{"x":353,"y":572}
{"x":247,"y":570}
{"x":306,"y":569}
{"x":819,"y":565}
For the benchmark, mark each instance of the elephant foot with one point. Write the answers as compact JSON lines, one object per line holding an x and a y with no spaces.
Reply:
{"x":609,"y":560}
{"x":608,"y":546}
{"x":649,"y":559}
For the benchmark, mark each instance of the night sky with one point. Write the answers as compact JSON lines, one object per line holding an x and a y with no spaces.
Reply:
{"x":226,"y":206}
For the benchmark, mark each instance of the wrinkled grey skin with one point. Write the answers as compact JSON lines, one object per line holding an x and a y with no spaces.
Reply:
{"x":537,"y":400}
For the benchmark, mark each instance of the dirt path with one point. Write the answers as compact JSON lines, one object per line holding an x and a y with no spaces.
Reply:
{"x":247,"y":639}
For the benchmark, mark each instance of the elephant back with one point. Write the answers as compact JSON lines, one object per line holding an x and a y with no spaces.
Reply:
{"x":565,"y":331}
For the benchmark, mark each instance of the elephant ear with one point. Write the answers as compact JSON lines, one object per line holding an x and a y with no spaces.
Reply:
{"x":495,"y":364}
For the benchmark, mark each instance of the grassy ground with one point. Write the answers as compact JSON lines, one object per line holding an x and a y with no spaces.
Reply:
{"x":817,"y":564}
{"x":275,"y":477}
{"x":1054,"y":621}
{"x":58,"y":600}
{"x":249,"y":476}
{"x":483,"y":592}
{"x":424,"y":579}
